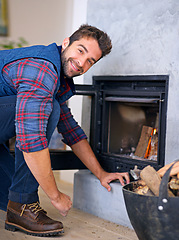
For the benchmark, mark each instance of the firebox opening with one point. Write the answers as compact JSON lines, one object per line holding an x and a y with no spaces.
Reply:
{"x":133,"y":127}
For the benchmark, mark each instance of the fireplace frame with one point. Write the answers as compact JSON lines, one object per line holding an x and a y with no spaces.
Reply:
{"x":147,"y":86}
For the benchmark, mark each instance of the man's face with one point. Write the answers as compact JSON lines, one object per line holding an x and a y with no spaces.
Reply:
{"x":79,"y":56}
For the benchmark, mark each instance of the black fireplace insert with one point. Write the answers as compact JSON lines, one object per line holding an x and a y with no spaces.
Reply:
{"x":130,"y":126}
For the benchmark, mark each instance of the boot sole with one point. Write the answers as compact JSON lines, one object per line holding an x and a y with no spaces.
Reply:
{"x":13,"y":227}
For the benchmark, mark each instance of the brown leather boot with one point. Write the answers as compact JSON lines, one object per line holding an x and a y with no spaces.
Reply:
{"x":31,"y":219}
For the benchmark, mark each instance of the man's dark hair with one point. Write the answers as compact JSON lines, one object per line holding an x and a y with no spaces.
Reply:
{"x":88,"y":31}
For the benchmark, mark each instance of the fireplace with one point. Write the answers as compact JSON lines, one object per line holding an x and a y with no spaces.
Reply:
{"x":127,"y":129}
{"x":128,"y":121}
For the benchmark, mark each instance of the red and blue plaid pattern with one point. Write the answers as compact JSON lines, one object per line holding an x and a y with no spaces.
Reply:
{"x":35,"y":81}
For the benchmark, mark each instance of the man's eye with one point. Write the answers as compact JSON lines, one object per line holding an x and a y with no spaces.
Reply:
{"x":90,"y":62}
{"x":80,"y":50}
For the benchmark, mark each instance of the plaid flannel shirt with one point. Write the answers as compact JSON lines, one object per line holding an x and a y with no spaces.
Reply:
{"x":35,"y":81}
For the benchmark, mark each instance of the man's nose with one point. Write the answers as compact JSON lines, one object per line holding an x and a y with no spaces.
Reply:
{"x":81,"y":61}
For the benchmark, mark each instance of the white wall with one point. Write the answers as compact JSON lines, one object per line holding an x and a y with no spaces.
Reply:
{"x":75,"y":103}
{"x":40,"y":21}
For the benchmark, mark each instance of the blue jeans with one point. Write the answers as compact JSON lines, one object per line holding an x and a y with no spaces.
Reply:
{"x":16,"y":180}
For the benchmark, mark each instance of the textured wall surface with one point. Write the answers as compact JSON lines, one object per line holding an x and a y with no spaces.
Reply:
{"x":89,"y":196}
{"x":145,"y":37}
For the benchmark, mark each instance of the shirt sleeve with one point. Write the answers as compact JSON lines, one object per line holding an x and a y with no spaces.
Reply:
{"x":35,"y":81}
{"x":68,"y":127}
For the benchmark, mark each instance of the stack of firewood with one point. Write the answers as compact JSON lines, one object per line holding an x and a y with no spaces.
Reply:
{"x":149,"y":183}
{"x":147,"y":146}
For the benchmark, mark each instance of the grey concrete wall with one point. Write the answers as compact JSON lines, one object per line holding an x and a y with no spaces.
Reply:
{"x":145,"y":37}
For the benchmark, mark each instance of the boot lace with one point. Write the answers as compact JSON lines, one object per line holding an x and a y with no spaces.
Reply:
{"x":35,"y":208}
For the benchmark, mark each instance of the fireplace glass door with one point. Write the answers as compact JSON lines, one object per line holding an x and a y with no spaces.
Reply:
{"x":132,"y":127}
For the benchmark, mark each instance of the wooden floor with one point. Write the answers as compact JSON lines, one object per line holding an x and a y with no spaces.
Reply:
{"x":78,"y":225}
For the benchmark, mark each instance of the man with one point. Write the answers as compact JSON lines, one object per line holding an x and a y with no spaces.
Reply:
{"x":35,"y":83}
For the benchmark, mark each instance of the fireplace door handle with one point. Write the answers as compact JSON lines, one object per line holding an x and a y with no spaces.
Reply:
{"x":133,"y":100}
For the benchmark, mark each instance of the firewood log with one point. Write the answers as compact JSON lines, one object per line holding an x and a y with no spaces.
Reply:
{"x":152,"y":180}
{"x":174,"y":170}
{"x":143,"y":190}
{"x":174,"y":183}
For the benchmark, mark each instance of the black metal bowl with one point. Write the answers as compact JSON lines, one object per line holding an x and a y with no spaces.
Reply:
{"x":153,"y":218}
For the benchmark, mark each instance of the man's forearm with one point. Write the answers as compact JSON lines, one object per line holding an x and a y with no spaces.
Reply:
{"x":84,"y":152}
{"x":39,"y":164}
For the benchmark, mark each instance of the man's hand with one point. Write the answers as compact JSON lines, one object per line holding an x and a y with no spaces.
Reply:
{"x":63,"y":203}
{"x":84,"y":152}
{"x":106,"y":178}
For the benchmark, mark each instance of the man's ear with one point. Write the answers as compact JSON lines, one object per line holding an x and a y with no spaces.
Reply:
{"x":65,"y":43}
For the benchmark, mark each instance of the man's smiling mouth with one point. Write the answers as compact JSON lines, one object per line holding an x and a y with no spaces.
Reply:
{"x":74,"y":66}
